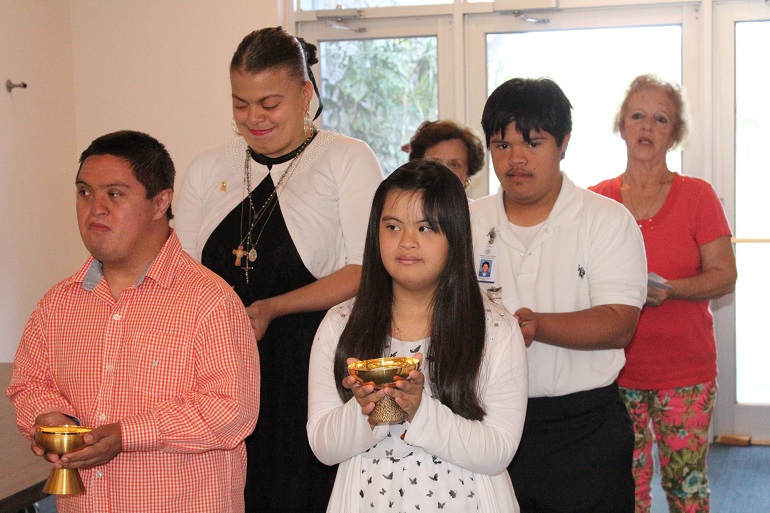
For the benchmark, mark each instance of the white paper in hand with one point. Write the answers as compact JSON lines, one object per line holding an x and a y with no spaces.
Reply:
{"x":656,"y":281}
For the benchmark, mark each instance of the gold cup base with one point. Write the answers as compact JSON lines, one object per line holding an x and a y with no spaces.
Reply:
{"x":387,"y":411}
{"x":64,"y":481}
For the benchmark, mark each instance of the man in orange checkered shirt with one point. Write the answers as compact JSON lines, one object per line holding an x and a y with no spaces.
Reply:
{"x":143,"y":344}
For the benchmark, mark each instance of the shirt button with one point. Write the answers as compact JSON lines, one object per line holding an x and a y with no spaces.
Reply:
{"x":116,"y":317}
{"x":102,"y":417}
{"x":99,"y":473}
{"x":109,"y":367}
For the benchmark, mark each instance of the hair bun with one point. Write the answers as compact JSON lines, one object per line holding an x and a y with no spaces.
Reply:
{"x":311,"y":52}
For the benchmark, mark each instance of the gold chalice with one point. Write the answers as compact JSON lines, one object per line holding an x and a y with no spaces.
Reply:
{"x":62,"y":440}
{"x":384,"y":372}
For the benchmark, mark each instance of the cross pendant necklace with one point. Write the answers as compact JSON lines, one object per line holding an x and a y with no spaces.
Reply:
{"x":239,"y":253}
{"x":246,"y":268}
{"x":255,"y":216}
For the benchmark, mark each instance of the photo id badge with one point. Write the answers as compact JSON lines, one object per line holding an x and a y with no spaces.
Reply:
{"x":485,"y":266}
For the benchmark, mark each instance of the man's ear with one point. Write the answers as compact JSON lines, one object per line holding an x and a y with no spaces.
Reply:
{"x":162,"y":202}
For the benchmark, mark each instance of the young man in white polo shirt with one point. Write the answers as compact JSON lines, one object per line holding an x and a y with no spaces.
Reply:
{"x":571,"y":266}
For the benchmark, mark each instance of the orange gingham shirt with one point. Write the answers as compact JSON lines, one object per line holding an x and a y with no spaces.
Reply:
{"x":174,"y":360}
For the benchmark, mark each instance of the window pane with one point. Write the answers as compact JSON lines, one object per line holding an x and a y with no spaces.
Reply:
{"x":380,"y":90}
{"x":752,"y":211}
{"x":593,"y":67}
{"x":314,"y":5}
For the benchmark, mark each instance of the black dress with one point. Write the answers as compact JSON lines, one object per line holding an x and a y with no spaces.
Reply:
{"x":283,"y":474}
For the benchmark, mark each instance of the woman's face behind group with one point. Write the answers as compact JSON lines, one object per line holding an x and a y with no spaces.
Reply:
{"x":648,"y":124}
{"x":453,"y":153}
{"x":269,"y":109}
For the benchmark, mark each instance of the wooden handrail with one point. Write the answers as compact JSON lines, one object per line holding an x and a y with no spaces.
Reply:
{"x":736,"y":239}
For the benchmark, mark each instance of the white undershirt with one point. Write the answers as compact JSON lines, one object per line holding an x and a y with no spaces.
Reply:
{"x":526,"y":233}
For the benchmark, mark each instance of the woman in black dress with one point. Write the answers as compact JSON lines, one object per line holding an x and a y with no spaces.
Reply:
{"x":291,"y":246}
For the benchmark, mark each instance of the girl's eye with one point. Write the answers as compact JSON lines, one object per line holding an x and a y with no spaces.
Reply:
{"x":83,"y":192}
{"x":662,"y":120}
{"x":270,"y":105}
{"x":391,"y":227}
{"x":636,"y":115}
{"x":425,"y":228}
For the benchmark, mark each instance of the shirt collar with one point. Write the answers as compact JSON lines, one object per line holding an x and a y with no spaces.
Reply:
{"x":563,"y":204}
{"x":159,"y":270}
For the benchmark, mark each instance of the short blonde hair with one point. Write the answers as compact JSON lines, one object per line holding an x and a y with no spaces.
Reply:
{"x":674,"y":92}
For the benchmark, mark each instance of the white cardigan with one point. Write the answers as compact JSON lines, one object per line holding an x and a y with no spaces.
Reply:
{"x":339,"y":433}
{"x":325,"y":203}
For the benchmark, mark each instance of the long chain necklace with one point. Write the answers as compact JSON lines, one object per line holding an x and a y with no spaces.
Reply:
{"x":638,"y":214}
{"x":254,"y":216}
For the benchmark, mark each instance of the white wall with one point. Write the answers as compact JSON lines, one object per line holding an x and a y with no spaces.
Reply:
{"x":39,"y":241}
{"x":93,"y":67}
{"x":160,"y":67}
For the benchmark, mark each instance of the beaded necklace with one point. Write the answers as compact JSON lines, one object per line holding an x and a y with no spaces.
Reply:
{"x":265,"y":211}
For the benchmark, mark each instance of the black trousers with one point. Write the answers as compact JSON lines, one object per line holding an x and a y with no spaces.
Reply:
{"x":575,"y":455}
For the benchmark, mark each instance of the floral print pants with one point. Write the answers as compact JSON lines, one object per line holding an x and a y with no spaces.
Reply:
{"x":677,"y":419}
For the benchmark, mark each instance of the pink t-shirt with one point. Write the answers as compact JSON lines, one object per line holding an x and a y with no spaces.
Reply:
{"x":674,"y":343}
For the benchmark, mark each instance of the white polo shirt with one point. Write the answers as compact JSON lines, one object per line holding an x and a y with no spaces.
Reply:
{"x":588,"y":252}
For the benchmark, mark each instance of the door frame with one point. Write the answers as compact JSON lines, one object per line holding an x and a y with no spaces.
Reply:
{"x":730,"y":416}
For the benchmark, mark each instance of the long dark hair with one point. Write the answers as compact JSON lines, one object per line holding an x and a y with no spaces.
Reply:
{"x":457,"y":333}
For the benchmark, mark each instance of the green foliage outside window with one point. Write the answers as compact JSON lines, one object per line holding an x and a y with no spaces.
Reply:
{"x":379,"y":91}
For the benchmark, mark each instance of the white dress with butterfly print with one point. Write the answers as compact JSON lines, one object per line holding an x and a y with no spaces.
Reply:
{"x":395,"y":477}
{"x":445,"y":463}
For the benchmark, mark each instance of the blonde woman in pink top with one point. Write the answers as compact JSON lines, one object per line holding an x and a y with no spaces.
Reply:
{"x":669,"y":380}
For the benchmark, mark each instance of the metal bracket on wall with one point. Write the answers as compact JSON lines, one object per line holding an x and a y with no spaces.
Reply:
{"x":10,"y":86}
{"x":338,"y":18}
{"x":529,"y":19}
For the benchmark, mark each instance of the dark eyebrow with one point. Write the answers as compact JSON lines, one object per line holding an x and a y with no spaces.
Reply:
{"x":114,"y":184}
{"x":259,"y":100}
{"x":392,"y":218}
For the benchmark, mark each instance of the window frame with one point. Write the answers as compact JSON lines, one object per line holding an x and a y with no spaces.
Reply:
{"x":462,"y":94}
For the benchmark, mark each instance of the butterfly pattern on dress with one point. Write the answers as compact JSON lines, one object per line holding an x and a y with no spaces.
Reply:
{"x":396,"y":478}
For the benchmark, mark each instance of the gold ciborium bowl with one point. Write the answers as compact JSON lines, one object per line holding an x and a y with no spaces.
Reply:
{"x":62,"y":440}
{"x":384,"y":372}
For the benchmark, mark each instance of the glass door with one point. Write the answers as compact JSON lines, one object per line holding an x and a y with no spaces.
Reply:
{"x":378,"y":84}
{"x":743,"y":125}
{"x":595,"y":153}
{"x":593,"y":56}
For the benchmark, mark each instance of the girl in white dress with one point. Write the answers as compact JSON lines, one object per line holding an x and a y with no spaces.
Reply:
{"x":465,"y":407}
